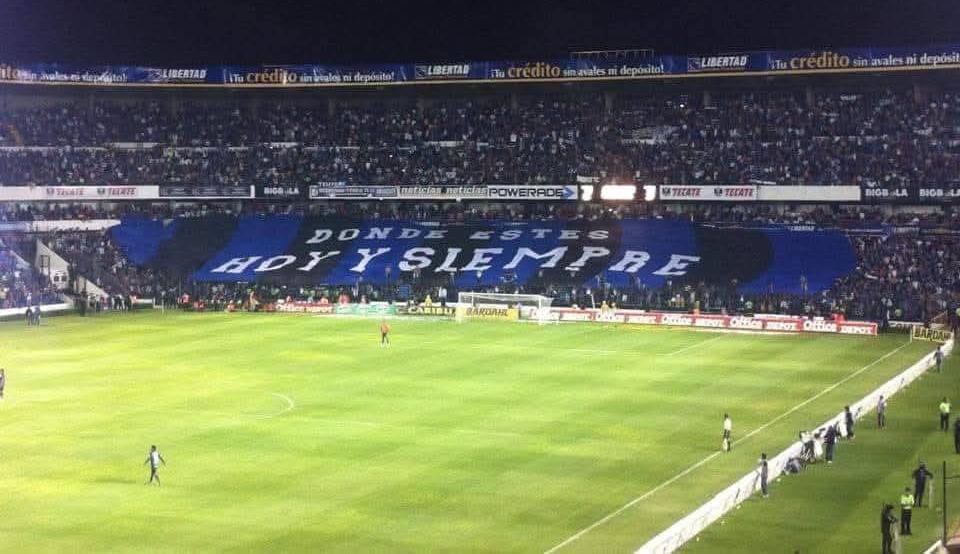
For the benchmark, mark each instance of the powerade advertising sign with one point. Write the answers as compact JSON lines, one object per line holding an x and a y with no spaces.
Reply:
{"x":507,"y":192}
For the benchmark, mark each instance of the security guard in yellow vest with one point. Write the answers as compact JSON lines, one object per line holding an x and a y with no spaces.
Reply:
{"x":945,"y":415}
{"x":906,"y":511}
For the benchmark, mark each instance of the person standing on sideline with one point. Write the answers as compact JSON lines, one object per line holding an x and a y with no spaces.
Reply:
{"x":887,"y":519}
{"x":727,"y":442}
{"x":848,"y":420}
{"x":830,"y":440}
{"x":154,"y":459}
{"x":384,"y":333}
{"x":920,"y":483}
{"x":956,"y":433}
{"x":906,"y":511}
{"x":882,"y":413}
{"x":3,"y":382}
{"x":764,"y":472}
{"x":938,"y":355}
{"x":944,"y":414}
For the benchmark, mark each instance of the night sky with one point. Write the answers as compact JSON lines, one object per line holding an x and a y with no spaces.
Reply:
{"x":182,"y":32}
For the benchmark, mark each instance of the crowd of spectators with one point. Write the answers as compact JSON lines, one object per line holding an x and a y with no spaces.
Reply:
{"x":20,"y":286}
{"x":820,"y":137}
{"x":93,"y":256}
{"x":888,"y":138}
{"x":908,"y":268}
{"x":901,"y":277}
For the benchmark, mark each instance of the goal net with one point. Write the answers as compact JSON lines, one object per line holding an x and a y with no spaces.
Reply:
{"x":487,"y":305}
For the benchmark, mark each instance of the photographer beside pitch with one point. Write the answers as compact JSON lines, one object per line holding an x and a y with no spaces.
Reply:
{"x":887,"y":521}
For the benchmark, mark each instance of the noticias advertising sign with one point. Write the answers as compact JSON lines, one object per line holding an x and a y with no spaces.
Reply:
{"x":201,"y":192}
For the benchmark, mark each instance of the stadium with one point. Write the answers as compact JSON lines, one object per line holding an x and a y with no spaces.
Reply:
{"x":610,"y":301}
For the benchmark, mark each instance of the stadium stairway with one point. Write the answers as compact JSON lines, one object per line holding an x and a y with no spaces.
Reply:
{"x":86,"y":275}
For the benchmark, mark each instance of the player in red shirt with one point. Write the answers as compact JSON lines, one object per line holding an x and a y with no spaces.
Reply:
{"x":384,"y":333}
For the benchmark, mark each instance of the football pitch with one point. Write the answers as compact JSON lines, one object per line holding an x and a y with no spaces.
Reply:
{"x":300,"y":433}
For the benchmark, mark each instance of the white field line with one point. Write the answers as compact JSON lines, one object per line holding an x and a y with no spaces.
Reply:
{"x":599,"y":350}
{"x":692,"y":346}
{"x":290,"y":406}
{"x":707,"y":459}
{"x":356,"y":422}
{"x":824,"y":391}
{"x":415,"y":428}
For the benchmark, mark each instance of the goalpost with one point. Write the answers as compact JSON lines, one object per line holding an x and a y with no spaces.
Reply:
{"x":488,"y":305}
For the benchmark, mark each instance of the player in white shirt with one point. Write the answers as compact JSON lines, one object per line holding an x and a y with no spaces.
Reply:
{"x":727,"y":443}
{"x":154,"y":459}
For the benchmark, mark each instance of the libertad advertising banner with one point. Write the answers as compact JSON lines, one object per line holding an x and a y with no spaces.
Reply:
{"x":569,"y":69}
{"x":302,"y":251}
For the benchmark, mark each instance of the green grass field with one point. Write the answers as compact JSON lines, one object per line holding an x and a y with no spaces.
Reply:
{"x":836,"y":508}
{"x":299,"y":433}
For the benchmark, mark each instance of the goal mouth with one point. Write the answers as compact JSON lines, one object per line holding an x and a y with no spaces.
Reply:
{"x":502,"y":306}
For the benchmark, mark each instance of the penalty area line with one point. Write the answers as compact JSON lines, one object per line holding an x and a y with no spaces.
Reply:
{"x":692,"y":346}
{"x":418,"y":428}
{"x":290,"y":406}
{"x":576,"y":536}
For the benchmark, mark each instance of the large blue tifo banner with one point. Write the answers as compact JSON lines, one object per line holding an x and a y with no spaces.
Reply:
{"x":640,"y":252}
{"x":570,"y":69}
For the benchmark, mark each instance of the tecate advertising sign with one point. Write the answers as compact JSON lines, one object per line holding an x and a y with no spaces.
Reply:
{"x":706,"y":193}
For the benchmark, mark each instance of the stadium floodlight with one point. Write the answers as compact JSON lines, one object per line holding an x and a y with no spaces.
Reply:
{"x":530,"y":307}
{"x":618,"y":192}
